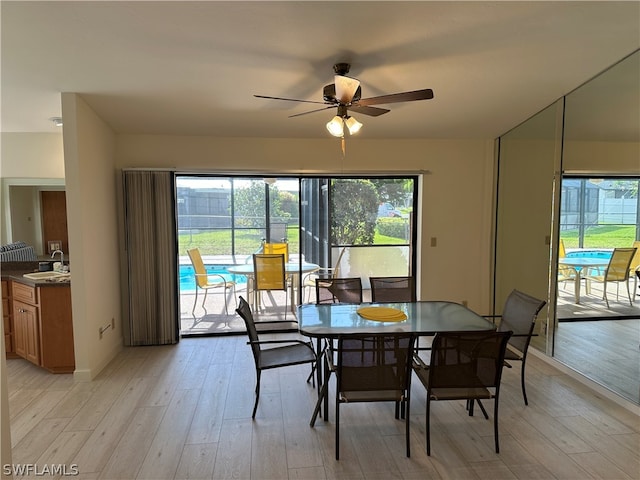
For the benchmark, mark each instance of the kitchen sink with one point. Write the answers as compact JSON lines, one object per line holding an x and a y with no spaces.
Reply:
{"x":46,"y":275}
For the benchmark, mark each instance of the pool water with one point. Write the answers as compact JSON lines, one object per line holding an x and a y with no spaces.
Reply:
{"x":590,"y":254}
{"x":188,"y":282}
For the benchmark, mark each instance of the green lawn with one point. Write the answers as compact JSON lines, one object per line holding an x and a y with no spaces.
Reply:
{"x":602,"y":236}
{"x":218,"y":242}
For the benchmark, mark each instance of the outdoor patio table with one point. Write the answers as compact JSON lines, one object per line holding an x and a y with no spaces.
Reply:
{"x":294,"y":269}
{"x":581,"y":263}
{"x":330,"y":321}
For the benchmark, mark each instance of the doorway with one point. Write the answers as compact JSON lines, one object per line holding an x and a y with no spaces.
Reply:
{"x":229,"y":218}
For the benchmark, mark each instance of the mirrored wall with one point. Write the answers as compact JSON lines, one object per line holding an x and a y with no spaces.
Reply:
{"x":593,"y":132}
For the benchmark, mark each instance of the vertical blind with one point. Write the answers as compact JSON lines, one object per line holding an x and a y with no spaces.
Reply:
{"x":151,"y":310}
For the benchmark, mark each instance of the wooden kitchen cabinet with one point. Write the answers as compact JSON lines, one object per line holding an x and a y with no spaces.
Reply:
{"x":26,"y":331}
{"x":7,"y":319}
{"x":42,"y":325}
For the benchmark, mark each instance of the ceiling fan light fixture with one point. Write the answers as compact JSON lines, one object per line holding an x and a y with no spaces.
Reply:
{"x":336,"y":126}
{"x":353,"y":125}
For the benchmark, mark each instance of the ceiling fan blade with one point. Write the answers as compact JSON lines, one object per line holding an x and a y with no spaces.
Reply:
{"x":312,"y":111}
{"x":346,"y":88}
{"x":288,"y":99}
{"x":371,"y":111}
{"x":425,"y":94}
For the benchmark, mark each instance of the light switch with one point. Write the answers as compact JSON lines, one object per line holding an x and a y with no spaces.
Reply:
{"x":434,"y":241}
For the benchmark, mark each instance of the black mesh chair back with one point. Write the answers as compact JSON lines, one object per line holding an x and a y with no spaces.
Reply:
{"x":519,"y":316}
{"x":393,"y":289}
{"x":290,"y":352}
{"x":374,"y":368}
{"x":464,"y":366}
{"x":244,"y":310}
{"x":339,"y":290}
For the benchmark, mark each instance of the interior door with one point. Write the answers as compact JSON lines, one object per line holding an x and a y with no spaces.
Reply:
{"x":54,"y":219}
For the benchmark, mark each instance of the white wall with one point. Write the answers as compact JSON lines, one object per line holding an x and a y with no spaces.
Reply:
{"x":456,"y":189}
{"x":31,"y":155}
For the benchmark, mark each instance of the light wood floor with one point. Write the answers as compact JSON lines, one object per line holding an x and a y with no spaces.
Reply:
{"x":184,"y":411}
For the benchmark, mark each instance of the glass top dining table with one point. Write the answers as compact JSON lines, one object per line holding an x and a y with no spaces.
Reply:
{"x":423,"y":318}
{"x":331,"y":321}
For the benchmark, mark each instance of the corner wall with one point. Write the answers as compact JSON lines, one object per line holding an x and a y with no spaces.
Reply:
{"x":89,"y":146}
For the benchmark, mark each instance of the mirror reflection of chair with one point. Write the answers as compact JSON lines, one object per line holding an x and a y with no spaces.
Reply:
{"x":339,"y":290}
{"x":208,"y":281}
{"x":392,"y":289}
{"x":464,"y":366}
{"x":269,"y":274}
{"x":374,"y":368}
{"x":617,"y":271}
{"x":566,"y":273}
{"x":519,"y":316}
{"x":290,"y":352}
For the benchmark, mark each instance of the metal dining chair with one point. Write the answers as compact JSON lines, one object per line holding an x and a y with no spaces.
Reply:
{"x":392,"y":289}
{"x":464,"y":366}
{"x":289,"y":352}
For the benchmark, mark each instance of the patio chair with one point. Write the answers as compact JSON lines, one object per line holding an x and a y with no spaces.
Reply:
{"x":464,"y":366}
{"x":290,"y":352}
{"x":276,"y":248}
{"x":519,"y":316}
{"x":392,"y":289}
{"x":374,"y":368}
{"x":339,"y":290}
{"x":269,"y":275}
{"x":208,"y":281}
{"x":323,"y":273}
{"x":617,"y":271}
{"x":634,"y":267}
{"x":278,"y":232}
{"x":566,"y":273}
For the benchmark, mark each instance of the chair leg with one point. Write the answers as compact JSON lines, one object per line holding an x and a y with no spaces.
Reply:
{"x":204,"y":300}
{"x":524,"y":391}
{"x":428,"y":427}
{"x":316,"y":410}
{"x":195,"y":302}
{"x":495,"y":423}
{"x":255,"y":405}
{"x":226,"y":307}
{"x":407,"y":424}
{"x":337,"y":429}
{"x":484,"y":412}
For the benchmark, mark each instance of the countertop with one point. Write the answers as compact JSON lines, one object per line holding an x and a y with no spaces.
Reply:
{"x":14,"y":271}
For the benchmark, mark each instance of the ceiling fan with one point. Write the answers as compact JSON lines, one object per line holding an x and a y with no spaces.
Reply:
{"x":346,"y":95}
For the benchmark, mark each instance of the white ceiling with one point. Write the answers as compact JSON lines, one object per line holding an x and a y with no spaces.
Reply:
{"x":192,"y":68}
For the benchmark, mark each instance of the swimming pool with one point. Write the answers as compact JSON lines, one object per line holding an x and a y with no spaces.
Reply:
{"x":590,"y":253}
{"x":187,"y":278}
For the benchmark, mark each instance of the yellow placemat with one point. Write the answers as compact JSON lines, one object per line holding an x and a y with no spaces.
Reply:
{"x":382,"y":314}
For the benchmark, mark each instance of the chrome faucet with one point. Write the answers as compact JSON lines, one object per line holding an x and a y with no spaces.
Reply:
{"x":61,"y":257}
